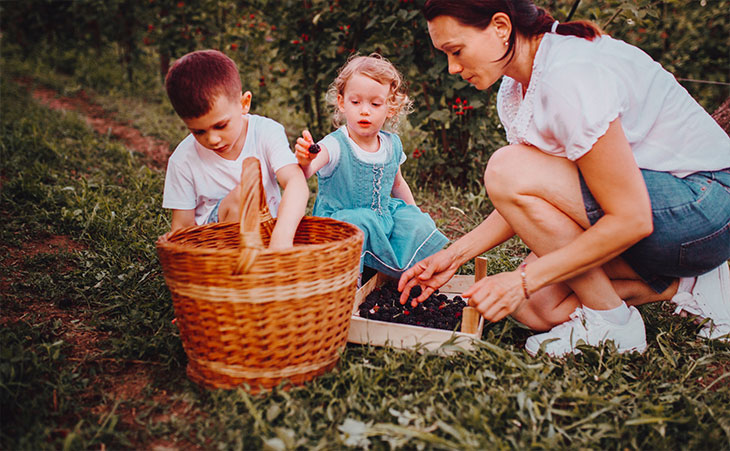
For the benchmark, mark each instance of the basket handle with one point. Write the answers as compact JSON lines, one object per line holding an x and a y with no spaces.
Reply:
{"x":251,"y":201}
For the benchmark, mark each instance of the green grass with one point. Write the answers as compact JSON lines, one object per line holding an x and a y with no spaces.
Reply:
{"x":90,"y":358}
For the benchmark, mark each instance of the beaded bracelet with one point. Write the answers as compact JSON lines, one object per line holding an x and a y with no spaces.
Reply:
{"x":523,"y":274}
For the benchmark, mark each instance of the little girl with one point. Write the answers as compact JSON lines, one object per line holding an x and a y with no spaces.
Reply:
{"x":358,"y":167}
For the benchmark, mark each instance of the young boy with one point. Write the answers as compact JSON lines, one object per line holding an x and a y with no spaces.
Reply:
{"x":204,"y":171}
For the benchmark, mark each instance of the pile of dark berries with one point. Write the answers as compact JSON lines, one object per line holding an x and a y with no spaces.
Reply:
{"x":436,"y":312}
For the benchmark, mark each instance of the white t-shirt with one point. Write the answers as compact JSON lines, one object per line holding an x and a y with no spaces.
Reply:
{"x":383,"y":154}
{"x":579,"y":86}
{"x":197,"y":178}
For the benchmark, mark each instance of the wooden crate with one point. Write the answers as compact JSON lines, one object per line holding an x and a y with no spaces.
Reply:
{"x":404,"y":336}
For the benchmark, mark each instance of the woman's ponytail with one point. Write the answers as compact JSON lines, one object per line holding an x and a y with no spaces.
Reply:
{"x":544,"y":23}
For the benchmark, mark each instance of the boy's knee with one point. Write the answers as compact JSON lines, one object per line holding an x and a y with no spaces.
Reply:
{"x":230,"y":209}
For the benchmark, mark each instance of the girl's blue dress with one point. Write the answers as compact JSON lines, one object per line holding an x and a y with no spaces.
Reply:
{"x":397,"y":235}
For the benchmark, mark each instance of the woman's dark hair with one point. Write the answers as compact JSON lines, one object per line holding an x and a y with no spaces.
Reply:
{"x":527,"y":18}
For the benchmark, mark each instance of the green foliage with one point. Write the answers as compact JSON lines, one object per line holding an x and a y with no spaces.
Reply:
{"x":289,"y":52}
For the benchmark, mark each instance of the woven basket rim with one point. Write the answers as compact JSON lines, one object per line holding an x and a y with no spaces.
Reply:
{"x":163,"y":240}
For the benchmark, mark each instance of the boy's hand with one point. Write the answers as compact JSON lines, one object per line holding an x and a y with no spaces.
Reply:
{"x":301,"y":149}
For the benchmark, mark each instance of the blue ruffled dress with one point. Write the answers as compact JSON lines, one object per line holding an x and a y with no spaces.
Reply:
{"x":397,"y":235}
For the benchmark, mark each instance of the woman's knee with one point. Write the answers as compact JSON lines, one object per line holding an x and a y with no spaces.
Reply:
{"x":502,"y":168}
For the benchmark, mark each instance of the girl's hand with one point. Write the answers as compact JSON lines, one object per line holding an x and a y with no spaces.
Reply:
{"x":430,"y":274}
{"x":496,"y":296}
{"x":301,"y":149}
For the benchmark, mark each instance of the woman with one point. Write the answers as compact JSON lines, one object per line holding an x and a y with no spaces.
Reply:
{"x":614,"y":177}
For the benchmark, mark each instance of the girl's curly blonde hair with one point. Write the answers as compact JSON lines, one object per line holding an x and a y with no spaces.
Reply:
{"x":381,"y":70}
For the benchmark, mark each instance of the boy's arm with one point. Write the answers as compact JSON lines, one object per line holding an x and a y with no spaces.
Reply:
{"x":310,"y":163}
{"x":294,"y":197}
{"x":401,"y":190}
{"x":182,"y":219}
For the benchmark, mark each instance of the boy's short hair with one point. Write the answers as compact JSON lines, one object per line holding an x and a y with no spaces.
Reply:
{"x":196,"y":80}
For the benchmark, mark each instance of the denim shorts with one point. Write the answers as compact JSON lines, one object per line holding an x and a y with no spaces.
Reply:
{"x":691,"y":226}
{"x":213,"y":215}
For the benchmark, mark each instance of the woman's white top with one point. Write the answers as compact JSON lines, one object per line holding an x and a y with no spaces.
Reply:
{"x":578,"y":87}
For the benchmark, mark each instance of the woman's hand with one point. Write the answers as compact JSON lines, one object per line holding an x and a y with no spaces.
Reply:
{"x":496,"y":296}
{"x":430,"y":274}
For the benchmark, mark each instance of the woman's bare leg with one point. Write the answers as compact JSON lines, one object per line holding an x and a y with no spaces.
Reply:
{"x":545,"y":207}
{"x":553,"y":304}
{"x":632,"y":288}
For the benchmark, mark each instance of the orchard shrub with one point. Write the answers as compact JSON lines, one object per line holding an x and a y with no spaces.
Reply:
{"x":289,"y":51}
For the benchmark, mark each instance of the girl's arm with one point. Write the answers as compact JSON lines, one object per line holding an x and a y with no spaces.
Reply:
{"x":309,"y":162}
{"x":294,"y":197}
{"x":401,"y":190}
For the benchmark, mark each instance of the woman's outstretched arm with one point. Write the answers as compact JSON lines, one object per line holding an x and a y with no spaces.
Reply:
{"x":434,"y":271}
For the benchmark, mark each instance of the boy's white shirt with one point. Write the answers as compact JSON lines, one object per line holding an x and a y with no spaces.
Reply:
{"x":383,"y":154}
{"x":197,"y":178}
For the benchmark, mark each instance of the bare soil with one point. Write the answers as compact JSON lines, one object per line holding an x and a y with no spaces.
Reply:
{"x":154,"y":152}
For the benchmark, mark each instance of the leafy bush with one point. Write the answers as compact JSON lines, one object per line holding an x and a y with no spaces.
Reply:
{"x":289,"y":51}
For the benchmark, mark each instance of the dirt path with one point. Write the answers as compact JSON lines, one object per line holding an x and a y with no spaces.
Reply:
{"x":154,"y":152}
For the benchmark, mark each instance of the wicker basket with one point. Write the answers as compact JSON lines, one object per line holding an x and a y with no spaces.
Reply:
{"x":249,"y":315}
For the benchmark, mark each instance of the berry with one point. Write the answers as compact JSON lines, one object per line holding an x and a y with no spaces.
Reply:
{"x":437,"y":311}
{"x":314,"y":148}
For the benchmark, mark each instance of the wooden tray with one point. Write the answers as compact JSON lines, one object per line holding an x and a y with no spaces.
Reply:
{"x":404,"y":336}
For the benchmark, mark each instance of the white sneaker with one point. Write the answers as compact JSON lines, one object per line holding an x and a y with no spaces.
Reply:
{"x":586,"y":327}
{"x":710,"y":300}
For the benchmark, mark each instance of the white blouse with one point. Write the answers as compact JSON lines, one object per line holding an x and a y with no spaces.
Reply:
{"x":578,"y":87}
